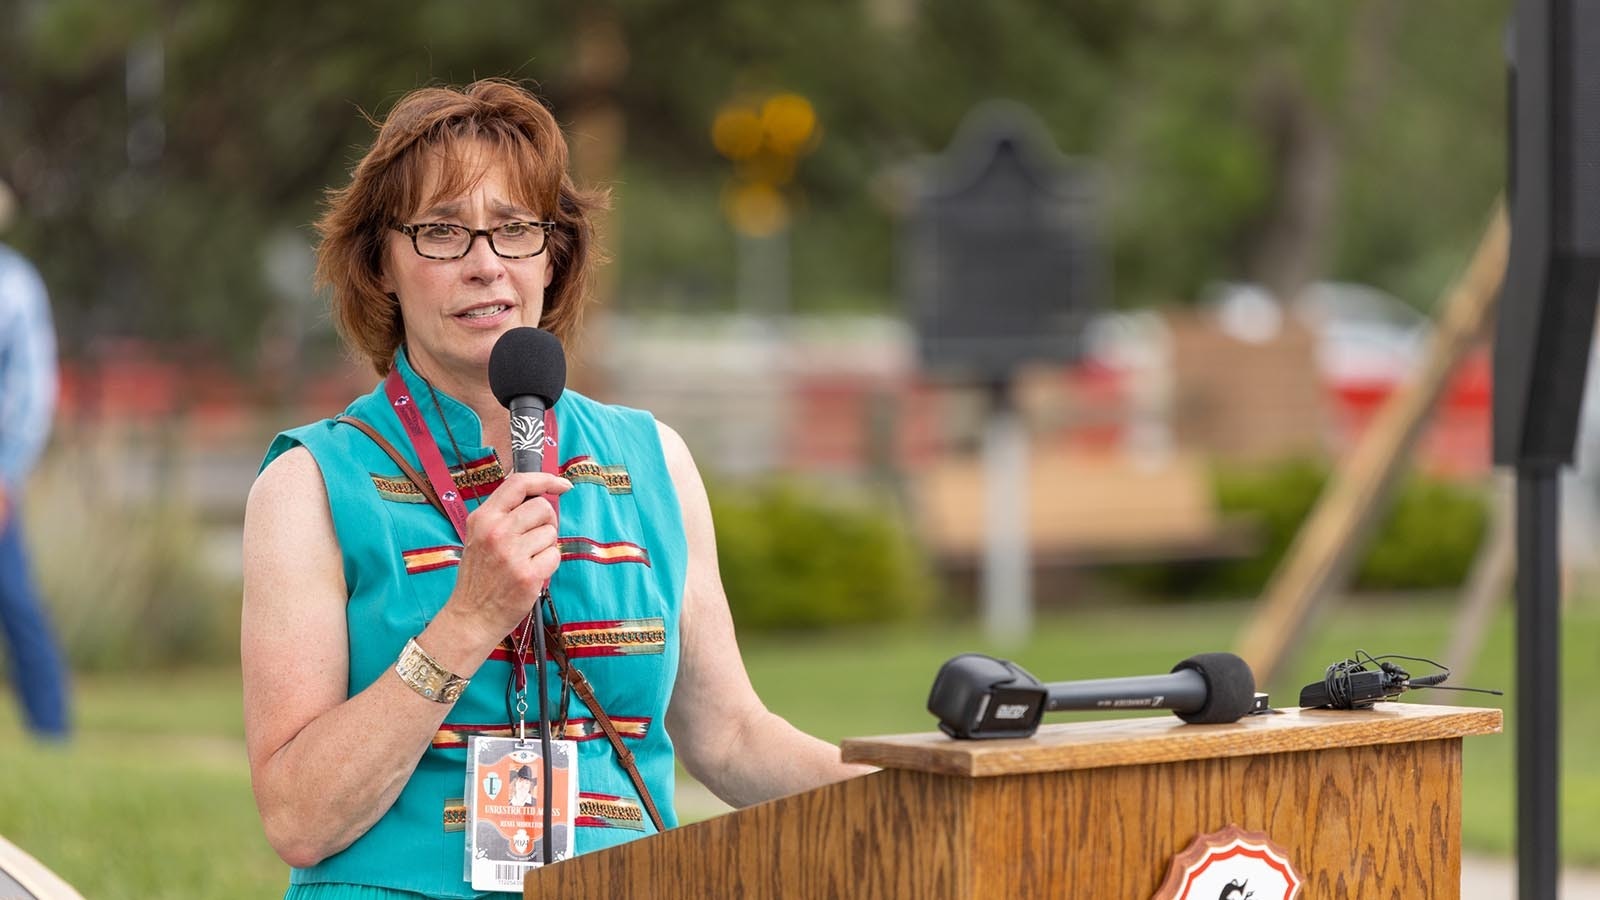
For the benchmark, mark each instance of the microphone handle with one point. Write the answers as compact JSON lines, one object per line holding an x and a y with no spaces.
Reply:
{"x":527,"y":434}
{"x":1183,"y":691}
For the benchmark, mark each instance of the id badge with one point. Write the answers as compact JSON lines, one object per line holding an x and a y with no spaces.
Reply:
{"x":505,"y":818}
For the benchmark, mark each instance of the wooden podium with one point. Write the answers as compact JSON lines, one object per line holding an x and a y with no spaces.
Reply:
{"x":1367,"y":804}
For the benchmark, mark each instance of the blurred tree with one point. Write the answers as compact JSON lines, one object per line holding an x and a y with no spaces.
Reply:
{"x":1320,"y":95}
{"x":1239,"y":140}
{"x":255,"y":111}
{"x":162,"y":151}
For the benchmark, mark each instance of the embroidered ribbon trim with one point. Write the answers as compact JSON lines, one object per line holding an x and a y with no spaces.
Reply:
{"x":584,"y":470}
{"x":617,"y":637}
{"x":426,"y":559}
{"x":481,"y":476}
{"x":624,"y":637}
{"x":608,"y":811}
{"x":454,"y":737}
{"x":455,"y":815}
{"x":477,"y":480}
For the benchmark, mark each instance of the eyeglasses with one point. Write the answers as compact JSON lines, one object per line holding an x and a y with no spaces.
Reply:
{"x":513,"y":240}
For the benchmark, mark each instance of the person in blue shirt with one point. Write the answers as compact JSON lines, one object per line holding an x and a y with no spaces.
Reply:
{"x":374,"y":631}
{"x":27,"y":402}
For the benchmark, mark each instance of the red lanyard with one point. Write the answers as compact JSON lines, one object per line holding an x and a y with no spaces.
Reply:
{"x":433,"y":468}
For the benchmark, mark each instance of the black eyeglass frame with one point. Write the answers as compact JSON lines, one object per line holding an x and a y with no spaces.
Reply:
{"x":473,"y":234}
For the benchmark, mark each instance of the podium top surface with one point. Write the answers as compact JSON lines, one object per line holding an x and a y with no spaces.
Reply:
{"x":1125,"y":742}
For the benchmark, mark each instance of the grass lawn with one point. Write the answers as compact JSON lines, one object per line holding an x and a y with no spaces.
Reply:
{"x":877,"y":683}
{"x":152,"y":799}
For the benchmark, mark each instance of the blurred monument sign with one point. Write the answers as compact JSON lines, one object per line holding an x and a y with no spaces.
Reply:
{"x":999,"y":270}
{"x":999,"y":264}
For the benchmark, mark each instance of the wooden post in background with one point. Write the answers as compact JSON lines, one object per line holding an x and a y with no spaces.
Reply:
{"x":1319,"y":560}
{"x":1488,"y":584}
{"x":597,"y":136}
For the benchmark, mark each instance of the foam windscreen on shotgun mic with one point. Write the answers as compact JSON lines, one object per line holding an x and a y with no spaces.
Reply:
{"x":1230,"y":688}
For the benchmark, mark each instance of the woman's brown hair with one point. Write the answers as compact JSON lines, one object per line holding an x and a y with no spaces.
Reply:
{"x":387,"y":185}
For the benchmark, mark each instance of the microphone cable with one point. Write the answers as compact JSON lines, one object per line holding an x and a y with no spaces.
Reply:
{"x":537,"y":623}
{"x":547,"y":724}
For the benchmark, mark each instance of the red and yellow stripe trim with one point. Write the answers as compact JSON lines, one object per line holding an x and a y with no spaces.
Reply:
{"x":451,"y":736}
{"x":605,"y":553}
{"x":426,"y":559}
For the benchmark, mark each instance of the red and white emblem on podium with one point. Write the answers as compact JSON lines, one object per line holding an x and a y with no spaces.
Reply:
{"x":1231,"y":864}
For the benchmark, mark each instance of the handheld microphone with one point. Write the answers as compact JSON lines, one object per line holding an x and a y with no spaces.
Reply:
{"x":980,"y":697}
{"x":527,"y":372}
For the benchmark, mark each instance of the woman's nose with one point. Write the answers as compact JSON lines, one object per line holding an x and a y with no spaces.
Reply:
{"x":481,"y":263}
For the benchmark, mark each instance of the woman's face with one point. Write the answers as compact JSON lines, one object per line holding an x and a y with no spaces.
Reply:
{"x":454,"y":310}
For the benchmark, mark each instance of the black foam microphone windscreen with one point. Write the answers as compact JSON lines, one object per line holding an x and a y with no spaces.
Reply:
{"x":1230,"y":688}
{"x":527,"y":362}
{"x":527,"y":373}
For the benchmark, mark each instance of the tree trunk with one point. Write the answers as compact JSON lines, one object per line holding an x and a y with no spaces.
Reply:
{"x":597,"y":134}
{"x":1286,"y":249}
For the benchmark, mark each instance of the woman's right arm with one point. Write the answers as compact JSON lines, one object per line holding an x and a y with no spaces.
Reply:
{"x":326,"y":766}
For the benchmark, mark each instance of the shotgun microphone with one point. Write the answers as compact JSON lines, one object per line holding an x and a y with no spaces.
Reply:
{"x":979,"y":697}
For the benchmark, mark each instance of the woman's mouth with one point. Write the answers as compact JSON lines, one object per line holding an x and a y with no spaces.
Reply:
{"x":484,"y":312}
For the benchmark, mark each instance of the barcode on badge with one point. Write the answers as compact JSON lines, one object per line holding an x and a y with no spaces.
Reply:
{"x":510,"y":873}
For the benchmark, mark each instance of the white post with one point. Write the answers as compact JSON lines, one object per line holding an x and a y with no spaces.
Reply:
{"x":763,"y":275}
{"x":1007,"y":557}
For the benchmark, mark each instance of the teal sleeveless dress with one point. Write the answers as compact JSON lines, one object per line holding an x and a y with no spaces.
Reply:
{"x":618,"y":593}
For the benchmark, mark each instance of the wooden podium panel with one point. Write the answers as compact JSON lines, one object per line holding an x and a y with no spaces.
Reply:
{"x":1366,"y":804}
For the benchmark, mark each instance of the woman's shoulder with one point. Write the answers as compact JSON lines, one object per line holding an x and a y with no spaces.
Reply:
{"x":326,"y":438}
{"x":583,"y":405}
{"x":310,"y":440}
{"x":637,"y":433}
{"x":288,"y":480}
{"x":586,"y":414}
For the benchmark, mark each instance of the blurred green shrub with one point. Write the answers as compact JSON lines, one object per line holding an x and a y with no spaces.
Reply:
{"x":1276,"y":500}
{"x":1427,"y":539}
{"x":126,"y":581}
{"x":791,"y":559}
